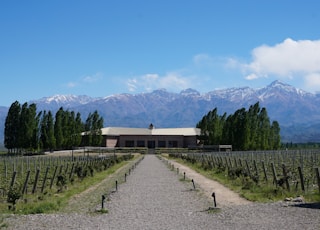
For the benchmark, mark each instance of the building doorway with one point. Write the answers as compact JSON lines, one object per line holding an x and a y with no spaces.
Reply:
{"x":151,"y":144}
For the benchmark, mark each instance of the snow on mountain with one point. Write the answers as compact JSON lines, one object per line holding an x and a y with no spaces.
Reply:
{"x":189,"y":92}
{"x":66,"y":99}
{"x":233,"y":94}
{"x":286,"y":104}
{"x":279,"y":89}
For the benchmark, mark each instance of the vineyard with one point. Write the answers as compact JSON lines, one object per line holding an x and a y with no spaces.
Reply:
{"x":38,"y":176}
{"x":286,"y":172}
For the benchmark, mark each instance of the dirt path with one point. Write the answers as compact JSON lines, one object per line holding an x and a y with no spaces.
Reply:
{"x":224,"y":196}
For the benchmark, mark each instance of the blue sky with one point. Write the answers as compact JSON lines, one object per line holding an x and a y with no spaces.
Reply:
{"x":100,"y":48}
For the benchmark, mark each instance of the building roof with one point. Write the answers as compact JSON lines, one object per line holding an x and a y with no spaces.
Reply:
{"x":117,"y":131}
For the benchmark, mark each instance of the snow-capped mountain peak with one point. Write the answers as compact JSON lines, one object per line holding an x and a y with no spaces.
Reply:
{"x":189,"y":92}
{"x":285,"y":104}
{"x":279,"y":89}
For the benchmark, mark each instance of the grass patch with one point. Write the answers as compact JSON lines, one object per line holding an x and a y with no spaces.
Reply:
{"x":213,"y":210}
{"x":3,"y":225}
{"x":246,"y":187}
{"x":102,"y":211}
{"x":52,"y":201}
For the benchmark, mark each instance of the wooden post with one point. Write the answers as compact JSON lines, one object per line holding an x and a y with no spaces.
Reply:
{"x":318,"y":177}
{"x":301,"y":178}
{"x":60,"y":171}
{"x":34,"y":189}
{"x":256,"y":168}
{"x":44,"y":180}
{"x":264,"y":171}
{"x":53,"y":177}
{"x":275,"y":179}
{"x":24,"y":190}
{"x":230,"y":163}
{"x":285,"y":176}
{"x":71,"y":171}
{"x":13,"y":179}
{"x":248,"y":168}
{"x":66,"y":171}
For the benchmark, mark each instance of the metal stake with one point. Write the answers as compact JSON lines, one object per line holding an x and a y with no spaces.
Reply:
{"x":194,"y":187}
{"x":214,"y":200}
{"x":102,"y":202}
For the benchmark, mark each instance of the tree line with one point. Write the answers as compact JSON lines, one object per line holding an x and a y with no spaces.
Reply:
{"x":29,"y":130}
{"x":245,"y":129}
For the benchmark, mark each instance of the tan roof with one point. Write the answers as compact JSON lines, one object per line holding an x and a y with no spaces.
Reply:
{"x":117,"y":131}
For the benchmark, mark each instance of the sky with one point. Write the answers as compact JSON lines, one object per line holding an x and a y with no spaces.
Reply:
{"x":100,"y":48}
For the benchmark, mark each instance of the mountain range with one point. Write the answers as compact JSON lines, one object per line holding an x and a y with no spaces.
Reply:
{"x":297,"y":111}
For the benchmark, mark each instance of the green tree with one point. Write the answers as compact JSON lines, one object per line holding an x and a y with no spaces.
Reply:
{"x":50,"y":131}
{"x":47,"y":132}
{"x":239,"y":123}
{"x":253,"y":125}
{"x":27,"y":126}
{"x":93,"y":126}
{"x":78,"y":130}
{"x":36,"y":132}
{"x":58,"y":129}
{"x":245,"y":130}
{"x":97,"y":125}
{"x":264,"y":129}
{"x":11,"y":129}
{"x":275,"y":136}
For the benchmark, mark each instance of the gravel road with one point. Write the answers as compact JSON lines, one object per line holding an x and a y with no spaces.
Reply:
{"x":155,"y":198}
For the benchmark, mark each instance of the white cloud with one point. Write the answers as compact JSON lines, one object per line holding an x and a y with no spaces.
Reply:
{"x":131,"y":84}
{"x":289,"y":59}
{"x":202,"y":60}
{"x":71,"y":85}
{"x":251,"y":76}
{"x":92,"y":78}
{"x":312,"y":81}
{"x":171,"y":81}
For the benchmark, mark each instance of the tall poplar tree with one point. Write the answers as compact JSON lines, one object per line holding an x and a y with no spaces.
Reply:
{"x":245,"y":130}
{"x":93,"y":126}
{"x":11,"y":128}
{"x":264,"y":129}
{"x":58,"y":129}
{"x":48,"y":141}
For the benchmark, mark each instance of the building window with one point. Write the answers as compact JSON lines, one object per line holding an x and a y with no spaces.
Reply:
{"x":161,"y":144}
{"x":173,"y":144}
{"x":129,"y":144}
{"x":141,"y":144}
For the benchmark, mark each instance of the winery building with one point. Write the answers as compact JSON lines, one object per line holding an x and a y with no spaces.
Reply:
{"x":150,"y":137}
